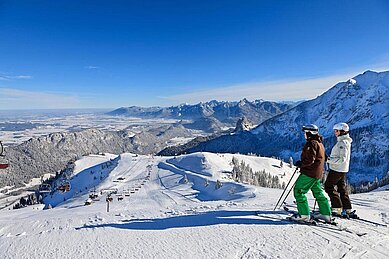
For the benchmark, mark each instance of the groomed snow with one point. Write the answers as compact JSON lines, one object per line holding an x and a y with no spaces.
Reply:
{"x":167,"y":217}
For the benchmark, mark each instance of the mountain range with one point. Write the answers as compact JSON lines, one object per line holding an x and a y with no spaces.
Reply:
{"x":210,"y":113}
{"x":362,"y":102}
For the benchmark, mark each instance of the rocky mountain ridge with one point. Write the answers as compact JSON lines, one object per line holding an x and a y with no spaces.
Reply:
{"x":224,"y":112}
{"x":362,"y":102}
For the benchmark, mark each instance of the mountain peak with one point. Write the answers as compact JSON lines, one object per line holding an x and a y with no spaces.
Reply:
{"x":362,"y":102}
{"x":243,"y":124}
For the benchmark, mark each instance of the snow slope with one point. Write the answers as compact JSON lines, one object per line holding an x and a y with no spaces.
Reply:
{"x":167,"y":217}
{"x":362,"y":102}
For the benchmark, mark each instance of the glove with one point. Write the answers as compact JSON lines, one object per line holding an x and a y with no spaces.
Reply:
{"x":298,"y":163}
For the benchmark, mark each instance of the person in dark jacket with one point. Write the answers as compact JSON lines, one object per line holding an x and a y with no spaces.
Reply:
{"x":311,"y":168}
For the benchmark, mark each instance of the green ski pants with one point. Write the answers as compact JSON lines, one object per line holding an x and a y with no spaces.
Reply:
{"x":303,"y":185}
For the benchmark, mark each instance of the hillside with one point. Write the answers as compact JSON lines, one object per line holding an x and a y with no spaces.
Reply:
{"x":362,"y":102}
{"x":165,"y":216}
{"x":52,"y":152}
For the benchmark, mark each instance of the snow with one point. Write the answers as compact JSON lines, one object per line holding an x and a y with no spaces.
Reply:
{"x":52,"y":122}
{"x":215,"y":164}
{"x":33,"y":182}
{"x":167,"y":217}
{"x":362,"y":102}
{"x":178,"y":140}
{"x":5,"y":192}
{"x":352,"y":81}
{"x":91,"y":160}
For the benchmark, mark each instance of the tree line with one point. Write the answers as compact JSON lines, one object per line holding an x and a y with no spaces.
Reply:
{"x":243,"y":173}
{"x":369,"y":186}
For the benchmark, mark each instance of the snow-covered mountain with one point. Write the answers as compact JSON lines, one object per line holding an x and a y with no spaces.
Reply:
{"x":206,"y":124}
{"x":167,"y":207}
{"x":362,"y":102}
{"x":50,"y":153}
{"x":243,"y":124}
{"x":226,"y":112}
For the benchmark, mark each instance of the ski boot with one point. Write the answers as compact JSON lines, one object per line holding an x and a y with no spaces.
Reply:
{"x":300,"y":218}
{"x":349,"y":214}
{"x":323,"y":218}
{"x":337,"y":212}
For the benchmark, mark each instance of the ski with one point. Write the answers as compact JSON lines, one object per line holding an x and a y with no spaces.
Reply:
{"x":354,"y":217}
{"x":312,"y":217}
{"x":340,"y":228}
{"x":369,"y":221}
{"x":309,"y":223}
{"x":357,"y":218}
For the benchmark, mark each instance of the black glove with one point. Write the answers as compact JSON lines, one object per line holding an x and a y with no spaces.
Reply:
{"x":298,"y":163}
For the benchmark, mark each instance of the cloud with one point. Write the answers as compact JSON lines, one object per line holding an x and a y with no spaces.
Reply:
{"x":20,"y":99}
{"x":91,"y":67}
{"x":281,"y":90}
{"x":8,"y":77}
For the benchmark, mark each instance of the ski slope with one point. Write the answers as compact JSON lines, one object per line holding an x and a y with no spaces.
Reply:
{"x":167,"y":211}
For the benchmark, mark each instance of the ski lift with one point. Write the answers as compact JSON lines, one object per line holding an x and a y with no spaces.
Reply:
{"x":64,"y":187}
{"x":3,"y":160}
{"x":109,"y":198}
{"x":45,"y":188}
{"x":93,"y":195}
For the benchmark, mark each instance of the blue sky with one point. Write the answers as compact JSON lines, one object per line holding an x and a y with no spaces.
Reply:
{"x":108,"y":54}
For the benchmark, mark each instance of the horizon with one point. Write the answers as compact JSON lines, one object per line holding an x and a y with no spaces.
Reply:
{"x":60,"y":55}
{"x":113,"y":108}
{"x":167,"y":106}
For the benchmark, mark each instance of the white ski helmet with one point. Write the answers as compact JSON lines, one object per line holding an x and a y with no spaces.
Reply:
{"x":311,"y":128}
{"x":342,"y":126}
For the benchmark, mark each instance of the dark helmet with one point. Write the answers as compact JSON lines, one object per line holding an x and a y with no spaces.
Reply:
{"x":311,"y":128}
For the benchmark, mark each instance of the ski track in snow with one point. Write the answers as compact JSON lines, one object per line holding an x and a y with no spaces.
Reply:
{"x":164,"y":219}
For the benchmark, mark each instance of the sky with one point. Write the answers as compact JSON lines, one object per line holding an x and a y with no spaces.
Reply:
{"x":110,"y":54}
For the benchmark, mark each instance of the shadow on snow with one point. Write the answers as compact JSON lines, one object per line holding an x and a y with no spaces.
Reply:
{"x":199,"y":220}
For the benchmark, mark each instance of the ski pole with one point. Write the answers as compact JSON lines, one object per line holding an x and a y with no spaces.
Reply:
{"x":286,"y":187}
{"x":288,"y":193}
{"x":314,"y":206}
